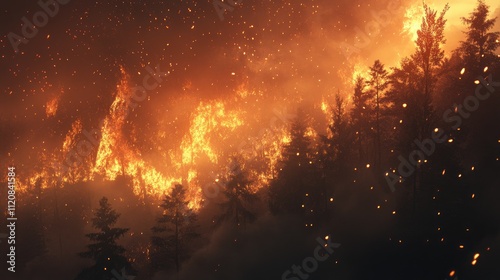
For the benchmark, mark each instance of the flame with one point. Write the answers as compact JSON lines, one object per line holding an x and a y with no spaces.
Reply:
{"x":107,"y":161}
{"x":324,"y":106}
{"x":272,"y":155}
{"x":359,"y":70}
{"x":210,"y":123}
{"x":70,"y":139}
{"x":207,"y":119}
{"x":117,"y":157}
{"x":311,"y":133}
{"x":51,"y":107}
{"x":217,"y":130}
{"x":412,"y":21}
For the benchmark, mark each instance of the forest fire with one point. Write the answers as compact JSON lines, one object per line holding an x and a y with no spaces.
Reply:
{"x":283,"y":124}
{"x":211,"y":125}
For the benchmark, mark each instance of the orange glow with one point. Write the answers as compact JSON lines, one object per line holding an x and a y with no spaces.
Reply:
{"x":359,"y":70}
{"x":324,"y":106}
{"x":211,"y":126}
{"x":211,"y":130}
{"x":51,"y":107}
{"x":69,"y":140}
{"x":207,"y":117}
{"x":116,"y":157}
{"x":413,"y":20}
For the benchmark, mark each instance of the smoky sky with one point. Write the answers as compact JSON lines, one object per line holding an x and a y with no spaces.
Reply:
{"x":289,"y":51}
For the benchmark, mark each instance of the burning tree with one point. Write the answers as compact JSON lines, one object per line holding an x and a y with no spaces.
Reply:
{"x":176,"y":227}
{"x":106,"y":253}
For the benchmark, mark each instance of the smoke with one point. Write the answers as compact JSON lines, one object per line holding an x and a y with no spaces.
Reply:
{"x":263,"y":57}
{"x":271,"y":245}
{"x":264,"y":250}
{"x":288,"y":52}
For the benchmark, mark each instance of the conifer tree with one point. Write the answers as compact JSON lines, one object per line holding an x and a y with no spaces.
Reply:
{"x":361,"y":117}
{"x":378,"y":83}
{"x":238,"y":196}
{"x":288,"y":192}
{"x":481,"y":43}
{"x":104,"y":250}
{"x":175,"y":229}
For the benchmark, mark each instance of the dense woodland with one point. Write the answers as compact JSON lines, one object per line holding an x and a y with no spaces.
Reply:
{"x":406,"y":179}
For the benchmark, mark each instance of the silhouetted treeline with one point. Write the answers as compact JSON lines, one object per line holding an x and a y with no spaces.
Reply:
{"x":417,"y":148}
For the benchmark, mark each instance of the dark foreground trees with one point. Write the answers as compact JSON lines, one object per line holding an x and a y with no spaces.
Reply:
{"x":238,"y":196}
{"x":288,"y":192}
{"x":175,"y":229}
{"x":107,"y":255}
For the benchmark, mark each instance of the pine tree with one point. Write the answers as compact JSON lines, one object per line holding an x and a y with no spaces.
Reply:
{"x":480,"y":44}
{"x":333,"y":163}
{"x":104,"y":250}
{"x":176,"y":228}
{"x":403,"y":100}
{"x":337,"y":146}
{"x":378,"y":83}
{"x":288,"y":192}
{"x":361,"y":116}
{"x":428,"y":58}
{"x":238,"y":196}
{"x":481,"y":63}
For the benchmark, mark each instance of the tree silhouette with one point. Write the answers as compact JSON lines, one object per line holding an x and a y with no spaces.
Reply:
{"x":403,"y":96}
{"x":288,"y":192}
{"x":480,"y":44}
{"x":361,"y":116}
{"x":104,"y":251}
{"x":477,"y":135}
{"x":176,"y":227}
{"x":378,"y":83}
{"x":238,"y":196}
{"x":428,"y":58}
{"x":338,"y":144}
{"x":334,"y":161}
